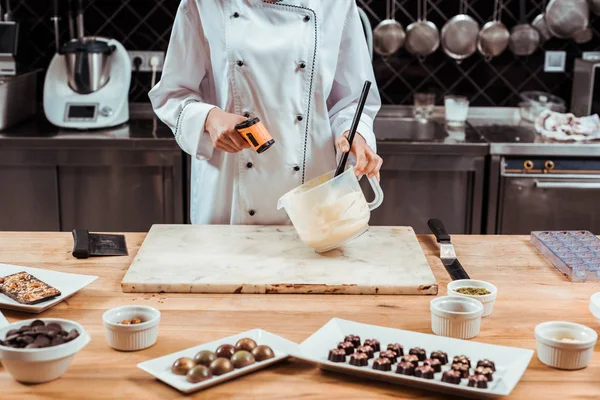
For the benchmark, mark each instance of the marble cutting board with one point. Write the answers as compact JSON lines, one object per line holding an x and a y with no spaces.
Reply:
{"x":271,"y":259}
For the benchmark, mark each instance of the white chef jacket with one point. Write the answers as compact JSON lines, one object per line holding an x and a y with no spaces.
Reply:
{"x":298,"y":65}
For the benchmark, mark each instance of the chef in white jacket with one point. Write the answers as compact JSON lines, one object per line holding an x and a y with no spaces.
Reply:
{"x":298,"y":65}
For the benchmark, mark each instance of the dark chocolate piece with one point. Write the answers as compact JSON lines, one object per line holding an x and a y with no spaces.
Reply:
{"x":462,"y":360}
{"x":405,"y":368}
{"x":451,"y":376}
{"x":390,"y":355}
{"x":485,"y":371}
{"x":487,"y":364}
{"x":355,"y":340}
{"x":419,"y":352}
{"x":37,"y":335}
{"x":382,"y":364}
{"x":462,"y":368}
{"x":337,"y":355}
{"x":411,"y":358}
{"x":348,"y":347}
{"x":434,"y":363}
{"x":440,"y":355}
{"x":374,"y":343}
{"x":425,"y":372}
{"x":359,"y":359}
{"x":478,"y":381}
{"x":25,"y":288}
{"x":396,"y":348}
{"x":368,"y":350}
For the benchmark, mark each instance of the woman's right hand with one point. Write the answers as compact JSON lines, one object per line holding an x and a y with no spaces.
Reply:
{"x":221,"y":127}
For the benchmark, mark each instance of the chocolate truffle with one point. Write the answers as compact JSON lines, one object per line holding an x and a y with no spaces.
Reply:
{"x":368,"y":350}
{"x":359,"y":359}
{"x":396,"y":348}
{"x":411,"y":358}
{"x":487,"y":364}
{"x":242,"y":358}
{"x":440,"y":355}
{"x":434,"y":363}
{"x":348,"y":347}
{"x":405,"y":368}
{"x":485,"y":371}
{"x":390,"y":355}
{"x":462,"y":368}
{"x":221,"y":366}
{"x":382,"y":364}
{"x":451,"y":376}
{"x":419,"y":352}
{"x":337,"y":355}
{"x":478,"y":381}
{"x":205,"y":357}
{"x":355,"y":340}
{"x":225,"y":351}
{"x":182,"y":366}
{"x":262,"y":353}
{"x":374,"y":343}
{"x":198,"y":374}
{"x":424,"y":371}
{"x":245,"y":344}
{"x":462,"y":360}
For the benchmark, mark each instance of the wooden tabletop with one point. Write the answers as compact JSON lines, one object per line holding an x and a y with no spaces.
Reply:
{"x":530,"y":291}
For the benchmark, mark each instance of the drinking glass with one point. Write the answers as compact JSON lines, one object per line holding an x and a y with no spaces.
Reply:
{"x":457,"y":110}
{"x":424,"y":103}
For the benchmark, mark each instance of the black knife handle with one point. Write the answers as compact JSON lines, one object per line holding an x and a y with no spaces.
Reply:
{"x":81,"y":246}
{"x":439,"y":230}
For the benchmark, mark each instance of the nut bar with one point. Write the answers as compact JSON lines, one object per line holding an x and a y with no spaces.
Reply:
{"x":27,"y":289}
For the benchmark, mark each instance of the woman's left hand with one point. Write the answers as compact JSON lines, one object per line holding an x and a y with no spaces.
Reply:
{"x":367,"y":161}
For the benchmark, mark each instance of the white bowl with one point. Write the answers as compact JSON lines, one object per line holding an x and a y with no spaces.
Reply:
{"x":487,"y":300}
{"x":46,"y":364}
{"x":556,"y":353}
{"x":595,"y":305}
{"x":131,"y":337}
{"x":456,"y":317}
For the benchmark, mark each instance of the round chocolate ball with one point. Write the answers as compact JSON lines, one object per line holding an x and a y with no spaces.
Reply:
{"x":225,"y":351}
{"x":182,"y":366}
{"x":242,"y":359}
{"x":205,"y":357}
{"x":245,"y":344}
{"x":221,"y":366}
{"x":262,"y":353}
{"x":198,"y":374}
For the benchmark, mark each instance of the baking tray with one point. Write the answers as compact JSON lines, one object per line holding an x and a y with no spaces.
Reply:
{"x":574,"y":253}
{"x":511,"y":362}
{"x":160,"y":367}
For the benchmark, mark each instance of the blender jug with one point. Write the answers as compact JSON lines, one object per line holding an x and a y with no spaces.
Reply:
{"x":329,"y":211}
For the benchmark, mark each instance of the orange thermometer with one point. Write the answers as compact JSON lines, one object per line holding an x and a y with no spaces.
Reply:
{"x":255,"y":134}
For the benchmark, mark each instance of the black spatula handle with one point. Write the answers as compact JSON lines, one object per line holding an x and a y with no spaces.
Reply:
{"x":439,"y":230}
{"x":81,"y":246}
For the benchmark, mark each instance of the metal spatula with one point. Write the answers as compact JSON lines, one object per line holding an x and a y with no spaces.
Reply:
{"x":94,"y":244}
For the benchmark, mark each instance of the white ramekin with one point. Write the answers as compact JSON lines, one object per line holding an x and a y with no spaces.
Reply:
{"x":595,"y":305}
{"x":131,"y":337}
{"x":46,"y":364}
{"x":487,"y":300}
{"x":565,"y":355}
{"x":456,"y":317}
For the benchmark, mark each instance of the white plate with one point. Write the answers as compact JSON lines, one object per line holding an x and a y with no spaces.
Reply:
{"x":160,"y":367}
{"x":510,"y":362}
{"x":68,"y":284}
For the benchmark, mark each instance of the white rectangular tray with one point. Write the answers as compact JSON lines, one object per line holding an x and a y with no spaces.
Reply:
{"x":160,"y":367}
{"x":511,"y":362}
{"x":68,"y":284}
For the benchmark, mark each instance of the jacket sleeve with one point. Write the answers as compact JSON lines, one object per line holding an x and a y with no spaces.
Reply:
{"x":354,"y":67}
{"x":177,"y":98}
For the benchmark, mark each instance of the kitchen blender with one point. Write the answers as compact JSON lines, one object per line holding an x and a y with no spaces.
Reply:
{"x":87,"y":83}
